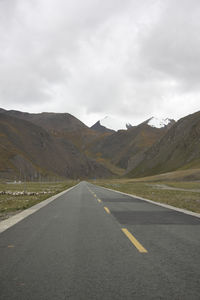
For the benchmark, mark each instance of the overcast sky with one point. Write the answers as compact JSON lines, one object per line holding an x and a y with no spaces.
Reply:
{"x":127,"y":59}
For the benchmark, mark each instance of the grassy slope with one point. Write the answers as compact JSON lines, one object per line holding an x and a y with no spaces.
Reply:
{"x":179,"y":148}
{"x":148,"y":187}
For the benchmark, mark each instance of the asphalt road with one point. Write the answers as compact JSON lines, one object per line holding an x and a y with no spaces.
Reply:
{"x":92,"y":243}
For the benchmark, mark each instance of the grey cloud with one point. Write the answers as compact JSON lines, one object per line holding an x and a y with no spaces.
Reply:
{"x":92,"y":57}
{"x":172,"y":46}
{"x":42,"y":41}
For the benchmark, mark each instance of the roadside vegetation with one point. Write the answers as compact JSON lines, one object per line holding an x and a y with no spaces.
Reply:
{"x":15,"y":197}
{"x":182,"y":194}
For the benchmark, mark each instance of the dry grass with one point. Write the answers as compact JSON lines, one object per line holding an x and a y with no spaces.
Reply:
{"x":187,"y":199}
{"x":179,"y":175}
{"x":10,"y":204}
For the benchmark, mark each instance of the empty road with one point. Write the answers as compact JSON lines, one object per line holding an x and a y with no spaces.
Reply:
{"x":92,"y":243}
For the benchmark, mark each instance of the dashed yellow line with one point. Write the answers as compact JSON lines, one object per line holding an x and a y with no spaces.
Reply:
{"x":94,"y":195}
{"x":107,"y":209}
{"x":134,"y":241}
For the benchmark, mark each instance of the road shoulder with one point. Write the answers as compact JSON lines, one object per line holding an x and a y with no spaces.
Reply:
{"x":4,"y":225}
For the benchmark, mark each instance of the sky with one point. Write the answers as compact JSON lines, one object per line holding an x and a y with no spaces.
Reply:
{"x":129,"y":60}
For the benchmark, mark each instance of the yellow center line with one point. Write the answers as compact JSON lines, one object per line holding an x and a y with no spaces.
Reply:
{"x":94,"y":194}
{"x":107,"y":209}
{"x":99,"y":200}
{"x":134,"y":241}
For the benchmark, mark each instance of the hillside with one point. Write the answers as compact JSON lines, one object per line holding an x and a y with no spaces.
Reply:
{"x":52,"y":122}
{"x":179,"y":148}
{"x":60,"y":144}
{"x":108,"y":147}
{"x":122,"y":145}
{"x":60,"y":125}
{"x":29,"y":149}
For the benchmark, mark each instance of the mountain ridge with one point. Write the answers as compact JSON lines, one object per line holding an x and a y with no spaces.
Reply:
{"x":30,"y":147}
{"x":74,"y":150}
{"x":121,"y":145}
{"x":178,"y":148}
{"x":100,"y":128}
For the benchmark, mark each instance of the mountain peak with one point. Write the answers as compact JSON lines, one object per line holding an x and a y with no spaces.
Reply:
{"x":100,"y":128}
{"x":114,"y":124}
{"x":160,"y":123}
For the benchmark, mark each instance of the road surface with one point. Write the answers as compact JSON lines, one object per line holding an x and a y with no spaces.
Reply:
{"x":92,"y":243}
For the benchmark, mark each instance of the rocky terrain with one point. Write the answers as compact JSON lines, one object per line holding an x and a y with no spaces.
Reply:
{"x":27,"y":150}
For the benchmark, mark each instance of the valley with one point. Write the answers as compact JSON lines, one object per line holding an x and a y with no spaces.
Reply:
{"x":58,"y":145}
{"x":157,"y":159}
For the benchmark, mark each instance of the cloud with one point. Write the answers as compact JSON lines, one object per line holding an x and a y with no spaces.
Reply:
{"x":128,"y":59}
{"x":171,"y":47}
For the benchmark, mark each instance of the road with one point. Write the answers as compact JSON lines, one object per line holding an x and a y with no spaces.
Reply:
{"x":92,"y":243}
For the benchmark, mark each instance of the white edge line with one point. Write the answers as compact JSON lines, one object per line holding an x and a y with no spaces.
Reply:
{"x":4,"y":225}
{"x":187,"y":212}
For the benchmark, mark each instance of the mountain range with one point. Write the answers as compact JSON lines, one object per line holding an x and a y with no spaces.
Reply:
{"x":58,"y":144}
{"x":34,"y":145}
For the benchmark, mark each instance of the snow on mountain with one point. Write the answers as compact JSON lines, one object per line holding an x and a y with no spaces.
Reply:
{"x":117,"y":124}
{"x":159,"y":123}
{"x":114,"y":124}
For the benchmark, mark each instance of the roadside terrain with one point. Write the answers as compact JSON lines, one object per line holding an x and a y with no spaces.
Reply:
{"x":15,"y":197}
{"x":180,"y":189}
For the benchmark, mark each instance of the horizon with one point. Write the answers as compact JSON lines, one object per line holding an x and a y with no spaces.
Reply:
{"x":121,"y":121}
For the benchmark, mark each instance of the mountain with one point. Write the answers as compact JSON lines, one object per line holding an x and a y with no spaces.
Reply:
{"x":60,"y":125}
{"x":121,"y":146}
{"x":160,"y":123}
{"x":110,"y":124}
{"x":60,"y":144}
{"x":52,"y":122}
{"x":29,"y":149}
{"x":100,"y":128}
{"x":179,"y":148}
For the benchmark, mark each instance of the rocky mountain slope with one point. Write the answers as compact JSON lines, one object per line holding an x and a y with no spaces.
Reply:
{"x":51,"y":122}
{"x":100,"y":128}
{"x":29,"y":149}
{"x":178,"y":148}
{"x":122,"y":145}
{"x":60,"y":125}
